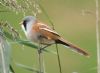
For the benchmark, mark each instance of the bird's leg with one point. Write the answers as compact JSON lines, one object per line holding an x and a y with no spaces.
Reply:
{"x":46,"y":46}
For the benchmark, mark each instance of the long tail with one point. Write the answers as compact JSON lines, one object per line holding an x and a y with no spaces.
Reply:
{"x":73,"y":47}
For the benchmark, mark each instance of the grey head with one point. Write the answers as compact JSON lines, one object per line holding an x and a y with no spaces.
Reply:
{"x":27,"y":20}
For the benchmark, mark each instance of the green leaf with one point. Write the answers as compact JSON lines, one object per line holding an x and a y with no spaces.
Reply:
{"x":30,"y":44}
{"x":11,"y":69}
{"x":4,"y":54}
{"x":27,"y":68}
{"x":26,"y":43}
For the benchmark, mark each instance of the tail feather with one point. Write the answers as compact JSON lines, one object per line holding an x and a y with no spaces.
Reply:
{"x":73,"y":47}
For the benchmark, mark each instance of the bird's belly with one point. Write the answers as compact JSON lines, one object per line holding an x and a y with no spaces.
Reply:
{"x":35,"y":37}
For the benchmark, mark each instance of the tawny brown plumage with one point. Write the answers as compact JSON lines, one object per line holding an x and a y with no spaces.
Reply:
{"x":52,"y":35}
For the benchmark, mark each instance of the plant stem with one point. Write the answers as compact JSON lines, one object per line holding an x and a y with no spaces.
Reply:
{"x":60,"y":69}
{"x":41,"y":60}
{"x":47,"y":16}
{"x":4,"y":69}
{"x":97,"y":35}
{"x":2,"y":58}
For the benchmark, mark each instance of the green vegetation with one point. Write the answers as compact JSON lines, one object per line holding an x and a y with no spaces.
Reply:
{"x":73,"y":19}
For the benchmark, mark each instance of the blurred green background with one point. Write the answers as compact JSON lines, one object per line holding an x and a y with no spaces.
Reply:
{"x":75,"y":21}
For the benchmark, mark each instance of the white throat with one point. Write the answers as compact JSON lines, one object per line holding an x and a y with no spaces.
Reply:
{"x":28,"y":27}
{"x":24,"y":30}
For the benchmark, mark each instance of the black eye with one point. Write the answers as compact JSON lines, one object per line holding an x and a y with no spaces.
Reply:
{"x":24,"y":23}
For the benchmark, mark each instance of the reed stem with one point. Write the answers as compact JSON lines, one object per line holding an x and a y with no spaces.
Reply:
{"x":97,"y":35}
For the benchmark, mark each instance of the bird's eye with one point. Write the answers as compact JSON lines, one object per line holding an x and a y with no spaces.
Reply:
{"x":24,"y":23}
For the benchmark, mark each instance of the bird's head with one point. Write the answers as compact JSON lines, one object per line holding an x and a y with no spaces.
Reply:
{"x":28,"y":21}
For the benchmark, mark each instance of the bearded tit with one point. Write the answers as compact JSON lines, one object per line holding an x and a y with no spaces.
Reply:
{"x":41,"y":33}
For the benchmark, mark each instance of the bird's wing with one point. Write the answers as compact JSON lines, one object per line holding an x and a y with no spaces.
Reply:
{"x":46,"y":30}
{"x":49,"y":31}
{"x":53,"y":35}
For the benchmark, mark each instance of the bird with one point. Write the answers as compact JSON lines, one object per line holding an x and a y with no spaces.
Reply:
{"x":40,"y":33}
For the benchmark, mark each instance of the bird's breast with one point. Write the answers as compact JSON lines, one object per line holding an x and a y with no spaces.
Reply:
{"x":38,"y":37}
{"x":33,"y":36}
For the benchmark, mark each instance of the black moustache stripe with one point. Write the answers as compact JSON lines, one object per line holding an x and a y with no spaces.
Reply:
{"x":24,"y":23}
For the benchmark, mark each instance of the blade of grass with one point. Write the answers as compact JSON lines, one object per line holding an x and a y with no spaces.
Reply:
{"x":97,"y":35}
{"x":11,"y":69}
{"x":41,"y":59}
{"x":4,"y":54}
{"x":30,"y":44}
{"x":26,"y":43}
{"x":3,"y":68}
{"x":45,"y":13}
{"x":27,"y":67}
{"x":58,"y":56}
